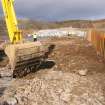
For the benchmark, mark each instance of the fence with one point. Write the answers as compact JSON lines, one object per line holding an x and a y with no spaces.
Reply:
{"x":97,"y":38}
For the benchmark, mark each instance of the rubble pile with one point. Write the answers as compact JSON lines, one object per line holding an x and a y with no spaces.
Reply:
{"x":57,"y":88}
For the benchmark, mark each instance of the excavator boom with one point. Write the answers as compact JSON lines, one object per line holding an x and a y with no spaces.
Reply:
{"x":11,"y":21}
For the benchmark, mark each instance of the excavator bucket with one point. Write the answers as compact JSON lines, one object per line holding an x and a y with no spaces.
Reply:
{"x":24,"y":56}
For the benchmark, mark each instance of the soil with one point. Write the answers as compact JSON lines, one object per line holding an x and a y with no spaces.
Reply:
{"x":58,"y":81}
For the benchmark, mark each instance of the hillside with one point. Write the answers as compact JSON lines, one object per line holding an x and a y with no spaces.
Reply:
{"x":28,"y":25}
{"x":45,"y":25}
{"x":99,"y":23}
{"x":76,"y":23}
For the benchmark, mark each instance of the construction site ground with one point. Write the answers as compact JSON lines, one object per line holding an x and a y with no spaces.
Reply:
{"x":73,"y":75}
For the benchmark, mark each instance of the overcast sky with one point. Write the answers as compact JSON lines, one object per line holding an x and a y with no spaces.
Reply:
{"x":52,"y":10}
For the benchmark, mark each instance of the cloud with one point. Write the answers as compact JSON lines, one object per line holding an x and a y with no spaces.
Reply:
{"x":60,"y":9}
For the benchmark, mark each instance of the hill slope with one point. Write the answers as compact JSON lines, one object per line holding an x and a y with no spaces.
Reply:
{"x":27,"y":24}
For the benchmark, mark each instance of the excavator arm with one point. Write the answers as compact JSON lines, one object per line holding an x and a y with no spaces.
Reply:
{"x":11,"y":21}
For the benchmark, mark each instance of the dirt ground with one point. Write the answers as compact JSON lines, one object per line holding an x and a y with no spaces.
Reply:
{"x":58,"y":81}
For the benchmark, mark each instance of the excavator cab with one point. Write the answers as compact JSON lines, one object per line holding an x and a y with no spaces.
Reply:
{"x":22,"y":55}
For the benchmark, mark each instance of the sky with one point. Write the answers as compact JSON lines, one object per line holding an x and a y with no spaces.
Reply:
{"x":58,"y":10}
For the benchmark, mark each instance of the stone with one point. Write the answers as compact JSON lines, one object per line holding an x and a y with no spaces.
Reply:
{"x":11,"y":101}
{"x":83,"y":72}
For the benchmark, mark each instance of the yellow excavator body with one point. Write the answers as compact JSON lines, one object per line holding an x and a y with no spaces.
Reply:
{"x":22,"y":55}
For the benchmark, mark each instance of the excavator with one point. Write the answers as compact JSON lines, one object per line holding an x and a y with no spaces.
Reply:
{"x":22,"y":55}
